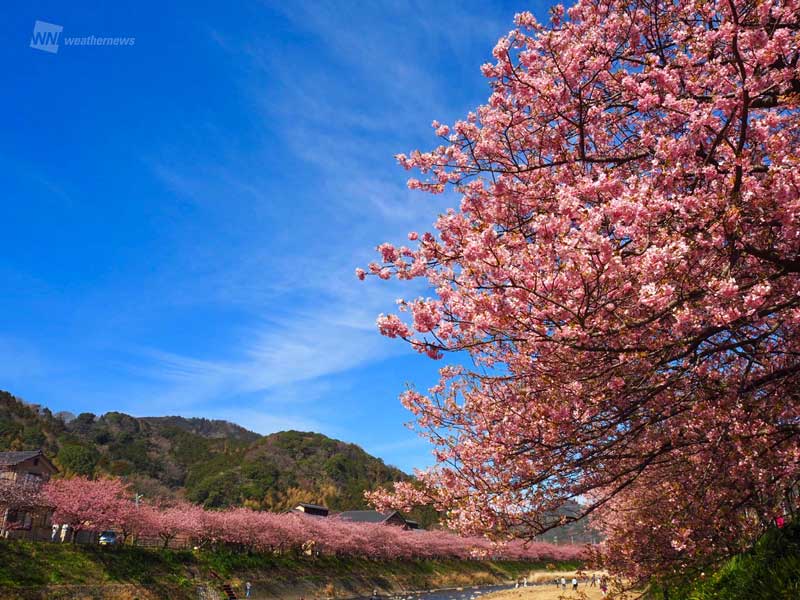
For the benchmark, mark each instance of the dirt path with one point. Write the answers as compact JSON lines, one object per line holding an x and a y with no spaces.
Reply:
{"x":547,"y":592}
{"x":546,"y":589}
{"x":542,"y":587}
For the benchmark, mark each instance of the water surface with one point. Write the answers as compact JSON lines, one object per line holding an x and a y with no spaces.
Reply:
{"x":465,"y":593}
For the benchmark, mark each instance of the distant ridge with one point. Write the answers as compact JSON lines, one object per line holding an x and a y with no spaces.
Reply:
{"x":207,"y":428}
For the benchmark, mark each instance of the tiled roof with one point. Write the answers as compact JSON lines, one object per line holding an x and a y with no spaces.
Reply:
{"x":9,"y":459}
{"x":365,"y":516}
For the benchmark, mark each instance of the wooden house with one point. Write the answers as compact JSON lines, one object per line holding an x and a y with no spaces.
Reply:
{"x":29,"y":468}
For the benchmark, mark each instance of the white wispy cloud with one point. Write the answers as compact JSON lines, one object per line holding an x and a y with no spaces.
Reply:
{"x":345,"y":116}
{"x":272,"y":356}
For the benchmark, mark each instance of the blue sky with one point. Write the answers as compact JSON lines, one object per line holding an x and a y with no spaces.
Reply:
{"x":181,"y":219}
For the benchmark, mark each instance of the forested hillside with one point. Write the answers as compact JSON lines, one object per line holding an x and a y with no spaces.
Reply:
{"x":214,"y":463}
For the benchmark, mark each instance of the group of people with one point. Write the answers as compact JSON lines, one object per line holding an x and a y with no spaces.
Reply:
{"x":562,"y":583}
{"x":59,"y":533}
{"x":601,"y":581}
{"x":595,"y":581}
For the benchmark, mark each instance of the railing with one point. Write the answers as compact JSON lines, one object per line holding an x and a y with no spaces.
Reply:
{"x":85,"y":536}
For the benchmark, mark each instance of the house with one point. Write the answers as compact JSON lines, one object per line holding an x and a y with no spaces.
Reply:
{"x":25,"y":469}
{"x":373,"y":516}
{"x":314,"y":510}
{"x":27,"y":466}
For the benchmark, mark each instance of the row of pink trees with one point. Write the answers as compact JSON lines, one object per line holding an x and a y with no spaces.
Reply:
{"x":106,"y":504}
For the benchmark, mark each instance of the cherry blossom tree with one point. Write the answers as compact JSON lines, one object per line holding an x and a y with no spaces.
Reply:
{"x":84,"y":504}
{"x":17,"y":496}
{"x":168,"y":522}
{"x":621,"y":274}
{"x":668,"y":527}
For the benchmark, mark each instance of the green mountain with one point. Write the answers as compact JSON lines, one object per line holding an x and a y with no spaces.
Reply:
{"x":211,"y":462}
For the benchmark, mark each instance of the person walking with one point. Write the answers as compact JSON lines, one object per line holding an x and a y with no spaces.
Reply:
{"x":574,"y":584}
{"x":563,"y":583}
{"x":593,"y":583}
{"x":247,"y":587}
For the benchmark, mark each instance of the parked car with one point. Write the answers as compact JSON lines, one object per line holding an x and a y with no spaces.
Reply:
{"x":107,"y":538}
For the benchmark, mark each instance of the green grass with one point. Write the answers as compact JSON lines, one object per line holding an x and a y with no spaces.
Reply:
{"x":769,"y":571}
{"x":38,"y":564}
{"x":31,"y":564}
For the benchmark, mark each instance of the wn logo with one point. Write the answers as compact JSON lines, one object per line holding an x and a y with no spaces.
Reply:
{"x":45,"y":36}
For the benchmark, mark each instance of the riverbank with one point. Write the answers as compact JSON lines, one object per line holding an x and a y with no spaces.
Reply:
{"x":547,"y":592}
{"x":38,"y":571}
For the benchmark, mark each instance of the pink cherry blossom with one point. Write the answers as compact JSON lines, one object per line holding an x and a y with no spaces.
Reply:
{"x":622,"y":273}
{"x":96,"y":505}
{"x":107,"y":504}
